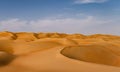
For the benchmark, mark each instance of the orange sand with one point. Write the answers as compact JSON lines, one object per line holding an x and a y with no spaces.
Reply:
{"x":55,"y":52}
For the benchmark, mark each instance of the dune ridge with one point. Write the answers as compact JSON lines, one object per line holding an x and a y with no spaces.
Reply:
{"x":34,"y":36}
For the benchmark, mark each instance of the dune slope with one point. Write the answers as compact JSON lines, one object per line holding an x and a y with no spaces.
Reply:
{"x":93,"y":53}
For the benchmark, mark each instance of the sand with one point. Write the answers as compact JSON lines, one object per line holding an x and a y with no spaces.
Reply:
{"x":58,"y":52}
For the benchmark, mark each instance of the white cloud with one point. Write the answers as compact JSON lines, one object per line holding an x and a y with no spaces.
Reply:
{"x":89,"y":24}
{"x":89,"y":1}
{"x":12,"y":24}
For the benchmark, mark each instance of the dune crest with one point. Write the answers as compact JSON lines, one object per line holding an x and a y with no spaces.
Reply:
{"x":34,"y":36}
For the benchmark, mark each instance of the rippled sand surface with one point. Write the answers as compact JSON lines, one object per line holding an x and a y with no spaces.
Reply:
{"x":57,"y":52}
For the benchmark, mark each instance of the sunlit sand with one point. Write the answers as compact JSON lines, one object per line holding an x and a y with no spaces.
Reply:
{"x":56,"y":52}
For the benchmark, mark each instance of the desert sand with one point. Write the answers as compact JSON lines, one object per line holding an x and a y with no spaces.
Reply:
{"x":58,"y":52}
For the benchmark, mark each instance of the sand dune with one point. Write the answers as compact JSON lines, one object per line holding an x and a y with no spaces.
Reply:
{"x":7,"y":35}
{"x":93,"y":53}
{"x":59,"y":52}
{"x":21,"y":47}
{"x":6,"y":45}
{"x":26,"y":36}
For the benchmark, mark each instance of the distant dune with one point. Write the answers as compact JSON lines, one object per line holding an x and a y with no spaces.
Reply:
{"x":58,"y":52}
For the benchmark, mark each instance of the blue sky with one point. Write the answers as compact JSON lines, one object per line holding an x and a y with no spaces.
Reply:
{"x":67,"y":16}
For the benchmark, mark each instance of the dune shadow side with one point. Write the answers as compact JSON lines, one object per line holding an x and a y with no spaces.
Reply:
{"x":6,"y":58}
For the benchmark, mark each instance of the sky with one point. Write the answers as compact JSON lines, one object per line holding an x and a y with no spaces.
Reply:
{"x":63,"y":16}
